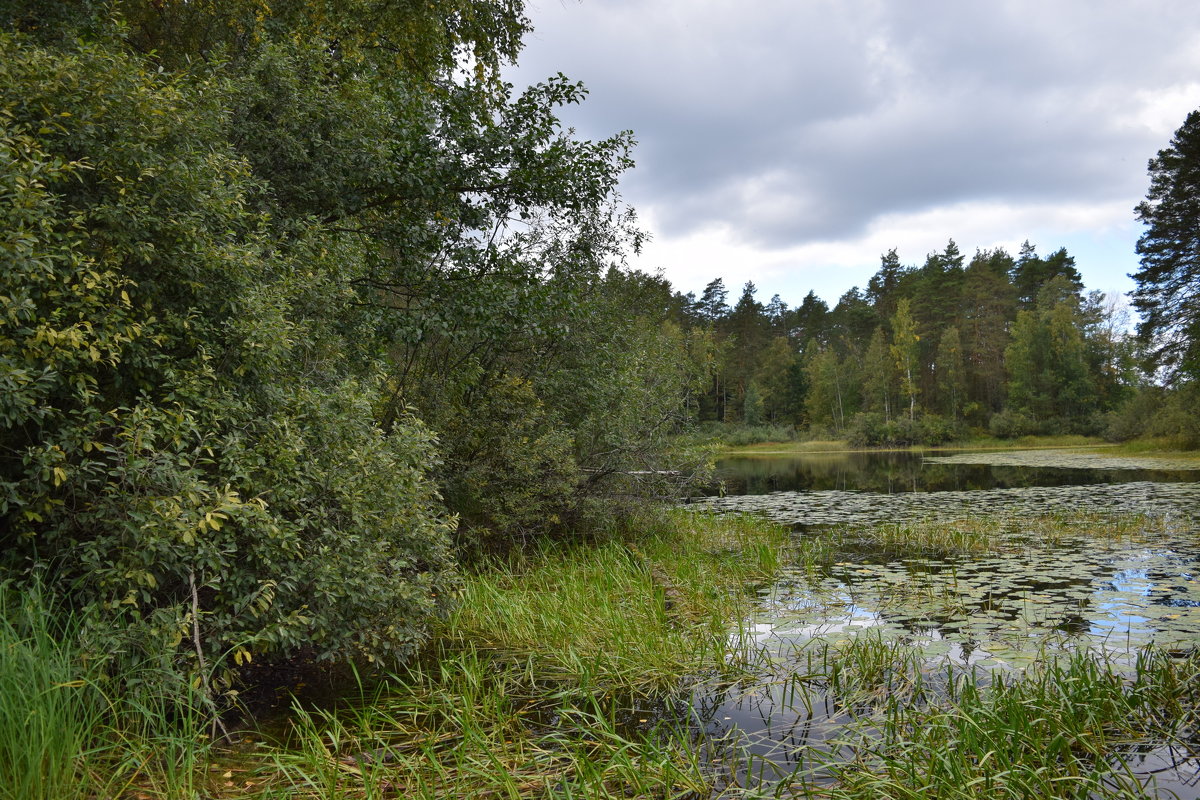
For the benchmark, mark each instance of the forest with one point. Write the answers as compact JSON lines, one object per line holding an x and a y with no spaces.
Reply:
{"x":305,"y":313}
{"x":1008,"y":345}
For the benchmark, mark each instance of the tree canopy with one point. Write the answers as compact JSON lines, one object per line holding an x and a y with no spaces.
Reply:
{"x":1168,"y":282}
{"x":299,"y":303}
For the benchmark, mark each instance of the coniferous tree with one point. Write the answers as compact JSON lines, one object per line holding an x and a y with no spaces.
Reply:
{"x":1168,"y":283}
{"x":808,"y":320}
{"x":988,"y":307}
{"x":712,"y":306}
{"x":851,"y":322}
{"x":1031,"y":273}
{"x":884,"y":286}
{"x":777,"y":373}
{"x":950,"y":372}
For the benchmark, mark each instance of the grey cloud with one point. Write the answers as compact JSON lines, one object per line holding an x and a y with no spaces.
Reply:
{"x":808,"y":125}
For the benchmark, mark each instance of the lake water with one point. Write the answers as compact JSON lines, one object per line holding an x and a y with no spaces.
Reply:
{"x":894,"y":472}
{"x":1000,"y":596}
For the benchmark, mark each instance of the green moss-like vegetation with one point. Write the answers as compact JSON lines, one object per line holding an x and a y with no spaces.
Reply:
{"x":973,"y":443}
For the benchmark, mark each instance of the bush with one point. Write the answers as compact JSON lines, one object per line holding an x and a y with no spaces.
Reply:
{"x":1178,"y":420}
{"x":188,"y":443}
{"x":735,"y":435}
{"x":1008,"y":424}
{"x":871,"y":430}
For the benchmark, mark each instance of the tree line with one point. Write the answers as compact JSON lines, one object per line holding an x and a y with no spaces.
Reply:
{"x":1010,"y":344}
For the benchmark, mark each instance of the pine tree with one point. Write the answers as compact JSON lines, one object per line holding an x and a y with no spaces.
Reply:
{"x":1168,"y":283}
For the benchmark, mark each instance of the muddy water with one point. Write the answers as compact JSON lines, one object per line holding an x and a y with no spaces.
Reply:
{"x":1002,"y":609}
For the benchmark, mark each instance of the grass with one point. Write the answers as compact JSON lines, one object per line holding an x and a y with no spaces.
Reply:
{"x":1153,"y":446}
{"x":71,"y":729}
{"x":467,"y":728}
{"x":567,"y":673}
{"x":50,"y":711}
{"x":554,"y":675}
{"x":635,"y":613}
{"x":1066,"y":728}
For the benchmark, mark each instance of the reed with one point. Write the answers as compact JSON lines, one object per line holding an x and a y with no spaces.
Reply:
{"x":1069,"y":727}
{"x":637,"y":612}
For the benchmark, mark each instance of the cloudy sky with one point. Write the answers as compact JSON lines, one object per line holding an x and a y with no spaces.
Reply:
{"x":793,"y":143}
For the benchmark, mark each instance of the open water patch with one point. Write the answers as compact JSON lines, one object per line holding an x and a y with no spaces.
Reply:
{"x":1109,"y":568}
{"x":837,"y":507}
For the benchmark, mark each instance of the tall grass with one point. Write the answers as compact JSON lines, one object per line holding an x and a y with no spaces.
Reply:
{"x":1069,"y":728}
{"x":555,"y":676}
{"x":51,"y":711}
{"x":468,"y":728}
{"x":76,"y":726}
{"x":653,"y":603}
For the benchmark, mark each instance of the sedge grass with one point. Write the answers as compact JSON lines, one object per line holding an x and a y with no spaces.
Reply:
{"x":50,"y":709}
{"x":467,"y":728}
{"x":1063,"y":729}
{"x":636,"y":612}
{"x":76,"y":726}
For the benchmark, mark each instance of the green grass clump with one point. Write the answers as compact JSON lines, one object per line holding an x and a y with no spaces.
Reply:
{"x":466,"y":727}
{"x":80,"y":724}
{"x":1064,"y":729}
{"x":554,"y":677}
{"x":653,"y":603}
{"x":51,"y":713}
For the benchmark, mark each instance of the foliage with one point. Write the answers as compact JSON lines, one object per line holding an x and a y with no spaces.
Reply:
{"x":967,"y":342}
{"x":739,"y":435}
{"x":1168,"y":282}
{"x":249,"y":245}
{"x":1047,"y":358}
{"x":190,"y":444}
{"x":872,"y":429}
{"x":905,"y":348}
{"x":1157,"y":413}
{"x":1010,"y":424}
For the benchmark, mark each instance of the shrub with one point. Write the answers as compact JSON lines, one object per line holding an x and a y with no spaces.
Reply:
{"x":871,"y":430}
{"x":187,"y":435}
{"x":735,"y":435}
{"x":1008,"y":424}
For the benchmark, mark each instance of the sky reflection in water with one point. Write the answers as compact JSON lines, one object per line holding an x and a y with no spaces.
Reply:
{"x":993,"y":610}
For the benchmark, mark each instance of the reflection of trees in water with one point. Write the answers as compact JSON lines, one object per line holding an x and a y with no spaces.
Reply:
{"x":886,"y":472}
{"x":904,"y":472}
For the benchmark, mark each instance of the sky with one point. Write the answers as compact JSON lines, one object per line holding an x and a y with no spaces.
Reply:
{"x":793,"y":143}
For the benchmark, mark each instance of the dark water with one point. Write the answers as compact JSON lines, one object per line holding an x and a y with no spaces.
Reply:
{"x":892,"y":472}
{"x":1080,"y":592}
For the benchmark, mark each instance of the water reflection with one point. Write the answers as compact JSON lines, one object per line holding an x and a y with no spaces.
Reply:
{"x":892,"y":472}
{"x":997,"y":610}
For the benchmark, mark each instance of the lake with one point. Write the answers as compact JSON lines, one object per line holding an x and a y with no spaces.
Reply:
{"x":984,"y":562}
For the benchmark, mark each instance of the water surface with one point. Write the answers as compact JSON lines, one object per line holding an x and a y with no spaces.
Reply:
{"x":892,"y":472}
{"x":1112,"y":588}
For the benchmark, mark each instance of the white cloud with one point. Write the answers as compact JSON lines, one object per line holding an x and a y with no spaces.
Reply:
{"x":798,"y":141}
